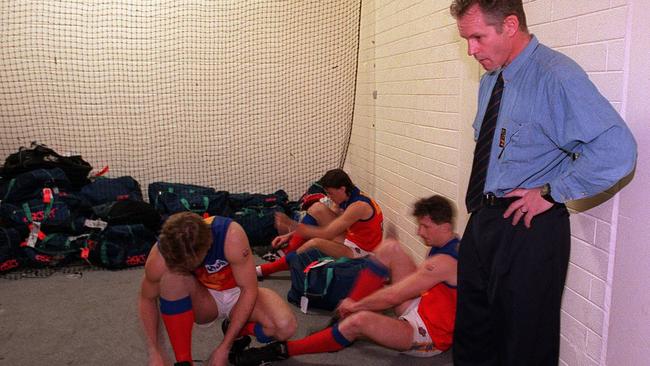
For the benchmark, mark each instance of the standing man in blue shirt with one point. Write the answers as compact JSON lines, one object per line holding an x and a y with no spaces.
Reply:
{"x":545,"y":135}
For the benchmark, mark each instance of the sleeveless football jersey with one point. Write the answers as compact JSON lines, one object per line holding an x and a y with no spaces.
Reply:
{"x":215,"y":272}
{"x":438,"y":305}
{"x":367,"y":234}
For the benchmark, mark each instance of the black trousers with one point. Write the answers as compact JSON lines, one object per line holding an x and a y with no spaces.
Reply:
{"x":510,"y":283}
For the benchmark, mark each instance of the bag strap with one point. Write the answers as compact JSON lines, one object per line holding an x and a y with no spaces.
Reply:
{"x":344,"y":260}
{"x":130,"y":231}
{"x":103,"y":249}
{"x":46,"y":212}
{"x":36,"y":229}
{"x":6,"y":234}
{"x":329,"y":273}
{"x":328,"y":279}
{"x":47,"y":171}
{"x":206,"y":204}
{"x":10,"y":187}
{"x":48,"y":238}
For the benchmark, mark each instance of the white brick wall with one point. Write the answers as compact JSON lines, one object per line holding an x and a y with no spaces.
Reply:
{"x":416,"y":111}
{"x":412,"y":140}
{"x":592,"y":33}
{"x":360,"y":160}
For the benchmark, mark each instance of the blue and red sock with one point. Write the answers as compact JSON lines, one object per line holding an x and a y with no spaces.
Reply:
{"x":256,"y":329}
{"x":178,"y":317}
{"x":281,"y":264}
{"x":327,"y":340}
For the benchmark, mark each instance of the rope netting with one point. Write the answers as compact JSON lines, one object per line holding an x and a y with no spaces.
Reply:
{"x":238,"y":95}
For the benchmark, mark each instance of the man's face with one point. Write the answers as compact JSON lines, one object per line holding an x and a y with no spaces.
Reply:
{"x":491,"y":48}
{"x":430,"y":232}
{"x":337,"y":195}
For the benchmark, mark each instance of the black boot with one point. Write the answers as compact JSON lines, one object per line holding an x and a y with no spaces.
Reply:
{"x":275,"y":351}
{"x":240,"y":343}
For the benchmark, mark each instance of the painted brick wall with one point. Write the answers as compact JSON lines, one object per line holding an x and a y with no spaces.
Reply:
{"x":360,"y":159}
{"x":592,"y":32}
{"x":405,"y":139}
{"x":415,"y":99}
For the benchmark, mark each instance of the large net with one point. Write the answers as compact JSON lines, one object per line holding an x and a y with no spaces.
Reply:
{"x":238,"y":95}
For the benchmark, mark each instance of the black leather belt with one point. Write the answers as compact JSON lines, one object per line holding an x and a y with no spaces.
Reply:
{"x":490,"y":200}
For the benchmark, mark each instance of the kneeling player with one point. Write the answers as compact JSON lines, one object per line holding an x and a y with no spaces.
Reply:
{"x":201,"y":271}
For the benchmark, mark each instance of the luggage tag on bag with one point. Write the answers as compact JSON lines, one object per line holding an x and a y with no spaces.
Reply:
{"x":304,"y":303}
{"x":96,"y":224}
{"x":34,"y":231}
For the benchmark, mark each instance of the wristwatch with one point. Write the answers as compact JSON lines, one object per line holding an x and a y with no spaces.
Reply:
{"x":546,"y":193}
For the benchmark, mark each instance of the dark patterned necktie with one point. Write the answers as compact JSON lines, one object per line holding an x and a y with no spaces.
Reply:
{"x":482,"y":149}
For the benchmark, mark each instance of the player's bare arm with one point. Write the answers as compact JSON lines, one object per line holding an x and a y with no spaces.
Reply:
{"x":148,"y":304}
{"x":355,"y":212}
{"x":432,"y":271}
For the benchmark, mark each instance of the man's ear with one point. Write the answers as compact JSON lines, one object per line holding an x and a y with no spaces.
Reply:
{"x":511,"y":25}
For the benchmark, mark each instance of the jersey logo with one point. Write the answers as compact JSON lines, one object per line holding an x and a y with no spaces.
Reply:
{"x":422,"y":331}
{"x":218,"y":265}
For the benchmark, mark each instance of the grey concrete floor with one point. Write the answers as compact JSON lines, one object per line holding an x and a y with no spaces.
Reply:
{"x":90,"y":318}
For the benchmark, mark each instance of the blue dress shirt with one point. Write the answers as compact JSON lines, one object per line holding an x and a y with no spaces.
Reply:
{"x":553,"y":127}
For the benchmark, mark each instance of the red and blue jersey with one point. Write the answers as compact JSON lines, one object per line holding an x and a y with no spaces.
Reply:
{"x":215,"y":271}
{"x":366,"y":234}
{"x":437,"y":307}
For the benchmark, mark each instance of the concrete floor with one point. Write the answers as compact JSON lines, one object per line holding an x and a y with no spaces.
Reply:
{"x":90,"y":318}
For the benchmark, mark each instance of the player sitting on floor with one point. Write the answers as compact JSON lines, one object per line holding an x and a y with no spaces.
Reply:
{"x":202,"y":270}
{"x":424,"y":298}
{"x":287,"y":242}
{"x":353,"y":228}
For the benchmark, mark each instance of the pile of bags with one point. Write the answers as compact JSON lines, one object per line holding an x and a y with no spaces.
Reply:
{"x":52,"y":213}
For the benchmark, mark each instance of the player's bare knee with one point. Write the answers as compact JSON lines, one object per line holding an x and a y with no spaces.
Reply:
{"x":284,"y":327}
{"x":356,"y":324}
{"x":288,"y":328}
{"x":309,"y":244}
{"x":174,"y":285}
{"x":317,"y":209}
{"x":388,"y":250}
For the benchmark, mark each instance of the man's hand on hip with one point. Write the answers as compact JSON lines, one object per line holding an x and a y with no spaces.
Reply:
{"x":530,"y":205}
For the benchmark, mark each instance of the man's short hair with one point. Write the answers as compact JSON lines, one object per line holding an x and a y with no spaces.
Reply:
{"x":337,"y":178}
{"x":437,"y":208}
{"x":495,"y":11}
{"x":184,"y":239}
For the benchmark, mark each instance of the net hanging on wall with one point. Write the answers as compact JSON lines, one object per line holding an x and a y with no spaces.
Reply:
{"x":239,"y":95}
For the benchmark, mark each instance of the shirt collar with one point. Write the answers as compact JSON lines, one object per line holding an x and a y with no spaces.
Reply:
{"x":510,"y":71}
{"x":445,"y":248}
